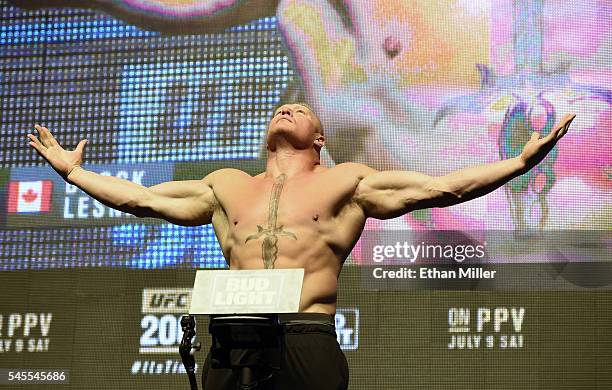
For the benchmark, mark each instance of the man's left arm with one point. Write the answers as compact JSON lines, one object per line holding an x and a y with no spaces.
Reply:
{"x":390,"y":194}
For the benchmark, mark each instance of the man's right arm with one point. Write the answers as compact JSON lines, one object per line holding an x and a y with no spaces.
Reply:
{"x":187,"y":202}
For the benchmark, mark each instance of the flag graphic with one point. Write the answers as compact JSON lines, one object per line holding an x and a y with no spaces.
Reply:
{"x":29,"y":196}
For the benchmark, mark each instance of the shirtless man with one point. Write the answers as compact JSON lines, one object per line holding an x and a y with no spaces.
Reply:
{"x":296,"y":214}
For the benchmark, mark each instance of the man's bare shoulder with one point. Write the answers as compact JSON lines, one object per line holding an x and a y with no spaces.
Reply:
{"x":225,"y":175}
{"x":353,"y":169}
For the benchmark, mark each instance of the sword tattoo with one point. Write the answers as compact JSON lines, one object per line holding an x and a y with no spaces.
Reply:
{"x":269,"y":245}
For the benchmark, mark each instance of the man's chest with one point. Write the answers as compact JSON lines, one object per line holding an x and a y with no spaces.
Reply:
{"x":273,"y":203}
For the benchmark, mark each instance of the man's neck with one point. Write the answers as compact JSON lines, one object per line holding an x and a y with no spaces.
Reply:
{"x":291,"y":162}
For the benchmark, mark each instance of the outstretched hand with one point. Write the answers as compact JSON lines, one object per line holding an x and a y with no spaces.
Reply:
{"x":63,"y":161}
{"x":537,"y":148}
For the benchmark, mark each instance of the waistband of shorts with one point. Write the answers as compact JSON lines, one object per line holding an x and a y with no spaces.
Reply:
{"x":290,"y":321}
{"x":304,"y":323}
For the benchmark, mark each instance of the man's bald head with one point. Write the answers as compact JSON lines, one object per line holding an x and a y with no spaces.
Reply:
{"x":318,"y":123}
{"x":297,"y":124}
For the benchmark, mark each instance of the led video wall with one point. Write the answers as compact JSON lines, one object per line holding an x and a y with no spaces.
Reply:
{"x":167,"y":91}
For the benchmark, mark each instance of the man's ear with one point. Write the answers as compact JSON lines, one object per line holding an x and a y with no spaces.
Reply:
{"x":319,"y":142}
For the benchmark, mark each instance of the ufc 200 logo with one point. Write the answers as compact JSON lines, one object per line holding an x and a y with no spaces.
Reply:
{"x":166,"y":300}
{"x":161,"y":323}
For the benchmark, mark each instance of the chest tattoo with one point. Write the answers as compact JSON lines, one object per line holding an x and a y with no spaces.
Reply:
{"x":269,"y":245}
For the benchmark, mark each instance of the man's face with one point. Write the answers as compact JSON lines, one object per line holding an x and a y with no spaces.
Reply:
{"x":295,"y":123}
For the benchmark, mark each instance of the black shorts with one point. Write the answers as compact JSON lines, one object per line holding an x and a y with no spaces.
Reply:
{"x":312,"y":358}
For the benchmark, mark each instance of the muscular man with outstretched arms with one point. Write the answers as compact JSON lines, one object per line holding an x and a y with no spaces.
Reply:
{"x":296,"y":214}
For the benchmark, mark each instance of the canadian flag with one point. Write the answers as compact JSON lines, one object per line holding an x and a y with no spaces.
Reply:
{"x":29,"y":196}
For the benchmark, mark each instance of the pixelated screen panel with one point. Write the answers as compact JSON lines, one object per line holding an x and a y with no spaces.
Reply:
{"x":124,"y":326}
{"x":430,"y":87}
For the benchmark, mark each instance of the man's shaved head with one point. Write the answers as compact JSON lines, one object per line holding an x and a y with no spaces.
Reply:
{"x":295,"y":124}
{"x":315,"y":116}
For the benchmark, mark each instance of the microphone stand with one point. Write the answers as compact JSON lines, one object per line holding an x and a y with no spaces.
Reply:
{"x":186,"y":349}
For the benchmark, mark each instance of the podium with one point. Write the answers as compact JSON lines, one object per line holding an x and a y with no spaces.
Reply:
{"x":247,"y":334}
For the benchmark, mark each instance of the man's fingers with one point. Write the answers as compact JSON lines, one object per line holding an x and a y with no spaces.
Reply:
{"x":36,"y":144}
{"x":46,"y":136}
{"x":535,"y":136}
{"x":50,"y":137}
{"x":41,"y":130}
{"x":43,"y":141}
{"x":38,"y":148}
{"x":565,"y":126}
{"x":561,"y":128}
{"x":35,"y":140}
{"x":562,"y":132}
